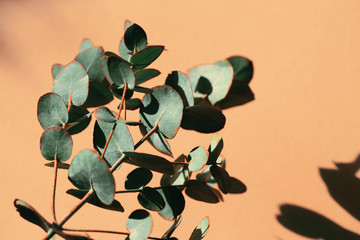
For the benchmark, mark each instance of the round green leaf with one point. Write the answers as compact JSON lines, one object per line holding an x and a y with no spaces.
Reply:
{"x":201,"y":192}
{"x":206,"y":177}
{"x":197,"y":158}
{"x":135,"y":38}
{"x":120,"y":141}
{"x":79,"y":119}
{"x":139,"y":224}
{"x":72,"y":83}
{"x":86,"y":43}
{"x":55,"y":69}
{"x":151,"y":199}
{"x":144,"y":75}
{"x":145,"y":57}
{"x":90,"y":59}
{"x":181,"y":84}
{"x":104,"y":114}
{"x":164,"y":106}
{"x":215,"y":149}
{"x":88,"y":170}
{"x":222,"y":178}
{"x":133,"y":104}
{"x":212,"y":80}
{"x":56,"y":143}
{"x":172,"y":228}
{"x":243,"y":68}
{"x":181,"y":174}
{"x":201,"y":229}
{"x":150,"y":162}
{"x":124,"y":52}
{"x":174,"y":202}
{"x":120,"y":72}
{"x":203,"y":119}
{"x":118,"y":92}
{"x":52,"y":111}
{"x":142,"y":89}
{"x":239,"y":94}
{"x":99,"y":94}
{"x":138,"y":178}
{"x":157,"y":140}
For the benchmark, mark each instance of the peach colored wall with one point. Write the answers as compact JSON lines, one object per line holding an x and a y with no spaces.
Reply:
{"x":306,"y":113}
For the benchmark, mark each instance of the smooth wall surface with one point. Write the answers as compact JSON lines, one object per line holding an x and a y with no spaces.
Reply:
{"x":306,"y":113}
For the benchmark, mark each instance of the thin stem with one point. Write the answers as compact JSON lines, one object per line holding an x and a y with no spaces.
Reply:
{"x":139,"y":190}
{"x":141,"y":141}
{"x":125,"y":110}
{"x":54,"y":188}
{"x":102,"y":231}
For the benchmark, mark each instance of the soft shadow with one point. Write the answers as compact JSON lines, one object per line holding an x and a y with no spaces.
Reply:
{"x":312,"y":225}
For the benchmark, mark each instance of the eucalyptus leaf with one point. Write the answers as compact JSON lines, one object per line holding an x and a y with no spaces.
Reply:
{"x":142,"y":89}
{"x":52,"y":111}
{"x":222,"y":178}
{"x":197,"y":158}
{"x":215,"y":149}
{"x":124,"y":52}
{"x":133,"y":104}
{"x":174,"y":202}
{"x":201,"y":229}
{"x":120,"y":141}
{"x":212,"y":80}
{"x":79,"y":119}
{"x":135,"y":38}
{"x":104,"y":66}
{"x":60,"y":165}
{"x":181,"y":175}
{"x":86,"y":43}
{"x":172,"y":228}
{"x":72,"y":83}
{"x":206,"y":177}
{"x":144,"y":75}
{"x":104,"y":114}
{"x":181,"y":84}
{"x":138,"y":178}
{"x":90,"y":59}
{"x":120,"y":72}
{"x":151,"y":199}
{"x":114,"y":206}
{"x":157,"y":140}
{"x":150,"y":162}
{"x":203,"y":119}
{"x":146,"y":56}
{"x":88,"y":170}
{"x":56,"y":144}
{"x":55,"y":69}
{"x":139,"y":224}
{"x":201,"y":192}
{"x":239,"y":94}
{"x":163,"y":106}
{"x":118,"y":92}
{"x":99,"y":94}
{"x":243,"y":68}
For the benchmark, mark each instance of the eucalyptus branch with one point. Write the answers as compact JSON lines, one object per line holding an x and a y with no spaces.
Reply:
{"x":139,"y":190}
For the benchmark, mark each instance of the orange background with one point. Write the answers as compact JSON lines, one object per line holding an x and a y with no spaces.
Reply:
{"x":306,"y":113}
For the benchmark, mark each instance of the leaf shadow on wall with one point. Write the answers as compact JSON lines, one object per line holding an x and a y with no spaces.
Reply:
{"x":344,"y":187}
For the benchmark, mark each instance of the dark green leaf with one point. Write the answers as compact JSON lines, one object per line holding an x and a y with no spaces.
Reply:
{"x":104,"y":66}
{"x":222,"y":178}
{"x":236,"y":186}
{"x":72,"y":83}
{"x":90,"y":60}
{"x":88,"y":170}
{"x":215,"y":149}
{"x":174,"y":202}
{"x":151,"y":199}
{"x":60,"y":165}
{"x":118,"y":92}
{"x":99,"y":94}
{"x":130,"y":123}
{"x":157,"y":140}
{"x":163,"y":106}
{"x":79,"y":119}
{"x":239,"y":94}
{"x":56,"y":143}
{"x":139,"y":224}
{"x":133,"y":104}
{"x":181,"y":84}
{"x":211,"y":80}
{"x":138,"y":178}
{"x":243,"y":68}
{"x":151,"y":162}
{"x":142,"y":89}
{"x":203,"y":119}
{"x":201,"y":229}
{"x":114,"y":206}
{"x":206,"y":177}
{"x":197,"y":158}
{"x":121,"y":72}
{"x":52,"y":111}
{"x":144,"y":75}
{"x":121,"y":140}
{"x":145,"y":57}
{"x":201,"y":192}
{"x":124,"y":52}
{"x":135,"y":38}
{"x":181,"y":174}
{"x":172,"y":228}
{"x":86,"y":43}
{"x":55,"y":69}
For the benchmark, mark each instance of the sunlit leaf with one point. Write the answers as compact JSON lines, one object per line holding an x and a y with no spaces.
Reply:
{"x":243,"y":68}
{"x":88,"y":170}
{"x":138,"y":178}
{"x":55,"y":69}
{"x":197,"y":158}
{"x":139,"y":224}
{"x":90,"y":59}
{"x":201,"y":229}
{"x":181,"y":84}
{"x":215,"y":149}
{"x":151,"y":199}
{"x":203,"y":119}
{"x":157,"y":140}
{"x":181,"y":174}
{"x":145,"y":57}
{"x":86,"y":43}
{"x":120,"y":72}
{"x":172,"y":228}
{"x":144,"y":75}
{"x":174,"y":202}
{"x":56,"y":143}
{"x":201,"y":192}
{"x":52,"y":111}
{"x":104,"y":114}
